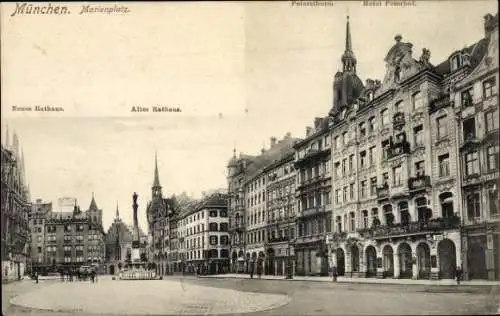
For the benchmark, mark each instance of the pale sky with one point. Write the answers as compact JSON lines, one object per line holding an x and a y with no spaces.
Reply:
{"x":240,"y":72}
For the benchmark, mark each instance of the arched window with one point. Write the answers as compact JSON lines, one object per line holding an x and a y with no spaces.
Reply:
{"x":417,"y":100}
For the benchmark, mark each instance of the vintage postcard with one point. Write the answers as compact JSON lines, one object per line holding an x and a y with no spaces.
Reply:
{"x":270,"y":158}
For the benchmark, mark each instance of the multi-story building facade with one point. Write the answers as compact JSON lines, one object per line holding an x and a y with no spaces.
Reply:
{"x":397,"y":199}
{"x":281,"y":213}
{"x":313,"y":193}
{"x":118,"y":245}
{"x":475,"y":97}
{"x":237,"y":170}
{"x":204,"y":235}
{"x":15,"y":211}
{"x":38,"y":215}
{"x":247,"y":183}
{"x":73,"y":239}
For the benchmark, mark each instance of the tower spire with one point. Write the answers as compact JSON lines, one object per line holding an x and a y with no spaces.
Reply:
{"x":348,"y":58}
{"x":156,"y":181}
{"x":117,"y":211}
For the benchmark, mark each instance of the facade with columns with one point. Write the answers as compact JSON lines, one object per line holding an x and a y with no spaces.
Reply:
{"x":475,"y":97}
{"x":16,"y":207}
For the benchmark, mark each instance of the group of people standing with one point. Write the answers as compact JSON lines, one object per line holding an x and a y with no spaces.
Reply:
{"x":254,"y":267}
{"x":71,"y":275}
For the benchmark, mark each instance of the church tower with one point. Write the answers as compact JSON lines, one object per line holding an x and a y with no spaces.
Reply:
{"x":94,"y":213}
{"x":156,"y":188}
{"x":347,"y":86}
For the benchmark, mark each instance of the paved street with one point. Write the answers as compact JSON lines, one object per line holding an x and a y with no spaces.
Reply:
{"x":208,"y":296}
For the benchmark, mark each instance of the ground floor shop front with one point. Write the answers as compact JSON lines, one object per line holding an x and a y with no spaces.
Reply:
{"x":482,"y":251}
{"x":415,"y":257}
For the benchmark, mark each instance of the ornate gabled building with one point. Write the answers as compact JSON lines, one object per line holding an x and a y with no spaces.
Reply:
{"x":119,"y":239}
{"x":475,"y":98}
{"x":396,"y":196}
{"x":16,"y":207}
{"x":160,"y":212}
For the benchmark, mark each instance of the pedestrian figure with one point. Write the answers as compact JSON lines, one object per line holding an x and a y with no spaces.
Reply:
{"x":259,"y":270}
{"x":96,"y":274}
{"x":62,"y":275}
{"x":92,"y":276}
{"x":78,"y":275}
{"x":251,"y":271}
{"x":71,"y":276}
{"x":458,"y":274}
{"x":36,"y":277}
{"x":334,"y":273}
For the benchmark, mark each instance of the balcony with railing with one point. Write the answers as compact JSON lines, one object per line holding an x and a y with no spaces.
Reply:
{"x":398,"y":149}
{"x":312,"y":211}
{"x":398,"y":120}
{"x":312,"y":154}
{"x":383,"y":192}
{"x":441,"y":102}
{"x":419,"y":183}
{"x":413,"y":228}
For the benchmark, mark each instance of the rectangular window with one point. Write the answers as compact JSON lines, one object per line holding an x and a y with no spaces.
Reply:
{"x":419,"y":136}
{"x":493,"y":202}
{"x":489,"y":88}
{"x":386,"y":147}
{"x":371,"y":155}
{"x":351,"y":191}
{"x":364,"y":188}
{"x":471,"y":163}
{"x":491,"y":121}
{"x":362,"y":156}
{"x":397,"y":175}
{"x":493,"y":158}
{"x":444,"y":165}
{"x":442,"y":128}
{"x":344,"y":163}
{"x":373,"y":186}
{"x":338,"y":196}
{"x":372,"y":124}
{"x":351,"y":163}
{"x":362,"y":129}
{"x":385,"y":178}
{"x":420,"y":168}
{"x":385,"y":117}
{"x":344,"y":196}
{"x":467,"y":97}
{"x":469,"y":129}
{"x":473,"y":206}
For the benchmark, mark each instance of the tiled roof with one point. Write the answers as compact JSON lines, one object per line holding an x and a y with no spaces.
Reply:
{"x":277,"y":152}
{"x":476,"y":52}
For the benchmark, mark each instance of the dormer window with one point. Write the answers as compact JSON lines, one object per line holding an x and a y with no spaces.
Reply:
{"x":456,"y":62}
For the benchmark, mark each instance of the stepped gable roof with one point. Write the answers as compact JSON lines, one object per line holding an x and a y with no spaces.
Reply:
{"x":476,"y":52}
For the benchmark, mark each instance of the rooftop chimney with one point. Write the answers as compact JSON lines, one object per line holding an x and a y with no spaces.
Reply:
{"x":262,"y":151}
{"x":273,"y":141}
{"x":490,"y":22}
{"x":288,"y":135}
{"x":38,"y":201}
{"x":317,"y":122}
{"x":308,"y":130}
